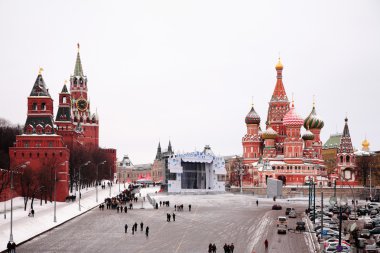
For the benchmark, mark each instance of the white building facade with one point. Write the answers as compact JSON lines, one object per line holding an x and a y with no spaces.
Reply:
{"x":196,"y":172}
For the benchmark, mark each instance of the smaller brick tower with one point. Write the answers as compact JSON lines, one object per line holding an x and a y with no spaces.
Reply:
{"x":252,"y":140}
{"x":346,"y":158}
{"x":40,"y":145}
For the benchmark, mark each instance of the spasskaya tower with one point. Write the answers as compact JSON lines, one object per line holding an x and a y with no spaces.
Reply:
{"x":83,"y":118}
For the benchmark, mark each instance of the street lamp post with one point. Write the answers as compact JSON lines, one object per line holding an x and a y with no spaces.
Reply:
{"x":97,"y":179}
{"x":110,"y":179}
{"x":87,"y":163}
{"x":12,"y":188}
{"x":342,"y":202}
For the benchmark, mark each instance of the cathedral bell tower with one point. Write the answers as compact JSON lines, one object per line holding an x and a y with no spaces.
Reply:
{"x":278,"y":107}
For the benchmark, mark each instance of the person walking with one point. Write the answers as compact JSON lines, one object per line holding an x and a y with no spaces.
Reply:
{"x":32,"y":214}
{"x":169,"y":216}
{"x":125,"y":228}
{"x":147,"y":231}
{"x":9,"y":247}
{"x":125,"y":209}
{"x":266,"y":244}
{"x":173,"y":216}
{"x":142,"y":226}
{"x":232,"y":247}
{"x":189,"y":208}
{"x":133,"y":229}
{"x":14,"y":246}
{"x":214,"y":248}
{"x":225,"y":247}
{"x":257,"y":202}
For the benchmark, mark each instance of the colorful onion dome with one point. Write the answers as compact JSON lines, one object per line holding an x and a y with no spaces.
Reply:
{"x":279,"y":65}
{"x":365,"y":144}
{"x":269,"y":134}
{"x":313,"y":121}
{"x":291,"y":118}
{"x":252,"y":117}
{"x":308,"y":136}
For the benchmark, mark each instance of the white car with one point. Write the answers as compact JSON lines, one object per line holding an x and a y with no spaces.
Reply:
{"x":282,"y":220}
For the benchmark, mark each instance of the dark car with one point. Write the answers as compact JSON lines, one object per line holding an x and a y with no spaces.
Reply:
{"x":287,"y":210}
{"x":375,"y":231}
{"x":300,"y":226}
{"x":364,"y":233}
{"x":276,"y":207}
{"x":368,"y":225}
{"x":344,"y":216}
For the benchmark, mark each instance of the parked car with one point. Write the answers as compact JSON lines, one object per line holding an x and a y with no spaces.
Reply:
{"x":292,"y":214}
{"x":300,"y":226}
{"x":375,"y":231}
{"x":364,"y":233}
{"x":288,"y":209}
{"x":282,"y":220}
{"x":281,"y":229}
{"x":276,"y":207}
{"x":353,"y":216}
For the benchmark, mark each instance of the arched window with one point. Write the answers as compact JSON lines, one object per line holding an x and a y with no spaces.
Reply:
{"x":43,"y":106}
{"x":34,"y":107}
{"x":75,"y":81}
{"x":64,"y":99}
{"x":347,"y":159}
{"x":341,"y":159}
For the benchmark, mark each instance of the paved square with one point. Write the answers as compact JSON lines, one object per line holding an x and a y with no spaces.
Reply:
{"x":219,"y":219}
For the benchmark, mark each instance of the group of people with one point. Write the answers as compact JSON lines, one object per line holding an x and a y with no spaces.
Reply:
{"x":227,"y":248}
{"x":11,"y":247}
{"x":168,"y":217}
{"x":134,"y":228}
{"x":180,"y":207}
{"x":165,"y":203}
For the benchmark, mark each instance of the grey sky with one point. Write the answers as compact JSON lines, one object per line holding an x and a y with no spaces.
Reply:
{"x":188,"y":69}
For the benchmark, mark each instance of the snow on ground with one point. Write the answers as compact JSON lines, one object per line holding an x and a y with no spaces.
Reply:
{"x":25,"y":227}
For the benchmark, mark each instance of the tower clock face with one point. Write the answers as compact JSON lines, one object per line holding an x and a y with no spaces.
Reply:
{"x":82,"y":104}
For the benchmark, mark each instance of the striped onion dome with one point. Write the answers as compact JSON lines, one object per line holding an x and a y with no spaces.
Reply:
{"x":292,"y":119}
{"x":313,"y":121}
{"x":269,"y":134}
{"x":252,"y":117}
{"x":308,"y":136}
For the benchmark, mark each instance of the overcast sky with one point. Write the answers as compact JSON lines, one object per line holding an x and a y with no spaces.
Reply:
{"x":188,"y":69}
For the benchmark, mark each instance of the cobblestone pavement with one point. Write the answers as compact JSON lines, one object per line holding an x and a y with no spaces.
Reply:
{"x":215,"y":219}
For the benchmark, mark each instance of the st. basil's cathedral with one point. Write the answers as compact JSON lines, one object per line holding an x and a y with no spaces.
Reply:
{"x":281,"y":152}
{"x":48,"y":142}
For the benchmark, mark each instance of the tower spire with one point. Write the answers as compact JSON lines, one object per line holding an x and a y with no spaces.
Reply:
{"x":279,"y":93}
{"x":78,"y":70}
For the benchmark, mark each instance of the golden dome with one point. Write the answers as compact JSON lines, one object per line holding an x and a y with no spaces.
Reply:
{"x":279,"y":64}
{"x":365,"y":143}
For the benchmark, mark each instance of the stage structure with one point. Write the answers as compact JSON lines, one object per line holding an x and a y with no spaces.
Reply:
{"x":196,"y":172}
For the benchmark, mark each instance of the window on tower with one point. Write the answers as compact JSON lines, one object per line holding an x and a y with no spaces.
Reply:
{"x":43,"y":106}
{"x":64,"y":100}
{"x":347,"y":159}
{"x":34,"y":107}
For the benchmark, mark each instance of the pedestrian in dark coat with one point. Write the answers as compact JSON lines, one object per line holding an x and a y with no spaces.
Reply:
{"x":117,"y":208}
{"x":160,"y":203}
{"x":125,"y":209}
{"x":232,"y":247}
{"x":214,"y":248}
{"x":125,"y":228}
{"x":173,"y":216}
{"x":9,"y":247}
{"x":142,"y":226}
{"x":32,"y":215}
{"x":169,"y":216}
{"x":257,"y":202}
{"x":147,"y":231}
{"x":189,"y":208}
{"x":225,"y":247}
{"x":156,"y":205}
{"x":175,"y":207}
{"x":14,"y":246}
{"x":210,"y":248}
{"x":133,"y":229}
